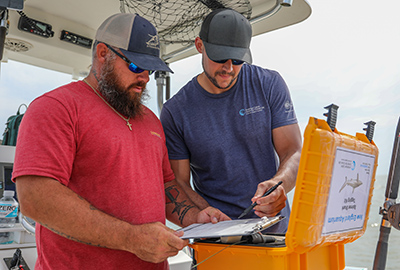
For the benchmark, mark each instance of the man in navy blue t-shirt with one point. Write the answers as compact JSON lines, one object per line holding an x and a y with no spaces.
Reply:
{"x":233,"y":127}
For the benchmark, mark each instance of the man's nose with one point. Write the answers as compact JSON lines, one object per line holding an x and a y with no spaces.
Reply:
{"x":228,"y":65}
{"x":144,"y":76}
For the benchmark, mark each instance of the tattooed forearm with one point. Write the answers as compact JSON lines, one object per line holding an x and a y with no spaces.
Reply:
{"x":181,"y":208}
{"x":91,"y":207}
{"x":70,"y":237}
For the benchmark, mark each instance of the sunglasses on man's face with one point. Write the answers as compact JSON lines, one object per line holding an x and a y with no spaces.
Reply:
{"x":234,"y":62}
{"x":132,"y":67}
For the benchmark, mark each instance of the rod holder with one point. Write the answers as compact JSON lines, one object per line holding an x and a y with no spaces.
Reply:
{"x":331,"y":115}
{"x":370,"y":130}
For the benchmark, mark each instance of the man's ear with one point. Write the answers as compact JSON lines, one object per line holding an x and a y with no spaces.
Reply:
{"x":101,"y":52}
{"x":199,"y":44}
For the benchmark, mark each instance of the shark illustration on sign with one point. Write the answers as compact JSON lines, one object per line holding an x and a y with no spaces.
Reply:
{"x":354,"y":183}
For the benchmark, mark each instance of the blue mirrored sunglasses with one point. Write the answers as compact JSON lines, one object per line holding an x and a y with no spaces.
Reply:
{"x":234,"y":62}
{"x":132,"y":67}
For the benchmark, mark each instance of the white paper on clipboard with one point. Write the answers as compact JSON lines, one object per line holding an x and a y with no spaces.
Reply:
{"x":229,"y":227}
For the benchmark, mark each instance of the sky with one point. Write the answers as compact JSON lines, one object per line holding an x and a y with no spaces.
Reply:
{"x":345,"y":53}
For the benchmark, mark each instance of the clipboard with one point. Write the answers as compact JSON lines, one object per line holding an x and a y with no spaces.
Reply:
{"x":238,"y":227}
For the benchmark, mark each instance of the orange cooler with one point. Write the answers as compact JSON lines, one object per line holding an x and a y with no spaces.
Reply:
{"x":330,"y":208}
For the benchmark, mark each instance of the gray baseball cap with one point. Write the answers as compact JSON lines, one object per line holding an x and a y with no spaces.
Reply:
{"x":226,"y":34}
{"x":136,"y":37}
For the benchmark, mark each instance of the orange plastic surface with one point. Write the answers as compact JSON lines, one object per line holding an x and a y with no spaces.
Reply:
{"x":313,"y":182}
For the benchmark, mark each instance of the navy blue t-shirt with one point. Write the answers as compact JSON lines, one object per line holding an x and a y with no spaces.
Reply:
{"x":228,"y":137}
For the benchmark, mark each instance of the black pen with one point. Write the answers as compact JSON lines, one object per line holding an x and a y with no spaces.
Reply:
{"x":269,"y":191}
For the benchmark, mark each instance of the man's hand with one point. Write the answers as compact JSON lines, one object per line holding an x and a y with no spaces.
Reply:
{"x":272,"y":204}
{"x":211,"y":214}
{"x":156,"y":242}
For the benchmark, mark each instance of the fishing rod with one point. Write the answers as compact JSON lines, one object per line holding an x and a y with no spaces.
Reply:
{"x":390,"y":211}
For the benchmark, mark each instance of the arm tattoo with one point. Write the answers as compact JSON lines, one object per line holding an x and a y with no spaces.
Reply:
{"x":91,"y":207}
{"x":69,"y":237}
{"x":181,"y":208}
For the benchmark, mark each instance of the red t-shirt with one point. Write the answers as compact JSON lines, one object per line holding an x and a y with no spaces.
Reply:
{"x":73,"y":136}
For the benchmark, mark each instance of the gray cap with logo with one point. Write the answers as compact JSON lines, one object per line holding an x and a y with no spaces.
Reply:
{"x":226,"y":34}
{"x":136,"y":37}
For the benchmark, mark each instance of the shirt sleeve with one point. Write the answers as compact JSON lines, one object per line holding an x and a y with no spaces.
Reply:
{"x":46,"y":145}
{"x":282,"y":109}
{"x":176,"y":145}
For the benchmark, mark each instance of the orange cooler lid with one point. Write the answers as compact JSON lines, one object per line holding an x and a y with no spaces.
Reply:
{"x":334,"y":187}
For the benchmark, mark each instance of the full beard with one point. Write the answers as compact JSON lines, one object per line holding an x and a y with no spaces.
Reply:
{"x":126,"y":102}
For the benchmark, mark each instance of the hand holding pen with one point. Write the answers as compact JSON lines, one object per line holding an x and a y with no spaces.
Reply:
{"x":269,"y":191}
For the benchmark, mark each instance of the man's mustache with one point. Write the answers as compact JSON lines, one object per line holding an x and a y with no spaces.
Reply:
{"x":225,"y":73}
{"x":138,"y":84}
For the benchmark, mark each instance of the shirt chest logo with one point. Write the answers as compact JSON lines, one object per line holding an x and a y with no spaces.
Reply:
{"x":155,"y":134}
{"x":256,"y":109}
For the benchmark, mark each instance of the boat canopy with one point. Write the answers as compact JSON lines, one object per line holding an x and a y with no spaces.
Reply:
{"x":57,"y":35}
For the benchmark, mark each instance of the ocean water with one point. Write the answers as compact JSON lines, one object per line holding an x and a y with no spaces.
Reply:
{"x":361,"y":253}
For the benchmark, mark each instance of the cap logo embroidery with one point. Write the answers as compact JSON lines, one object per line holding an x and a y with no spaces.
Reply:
{"x":153,"y":42}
